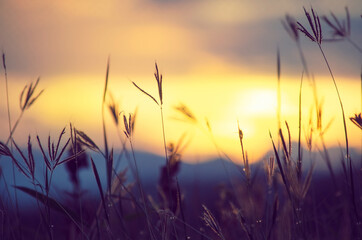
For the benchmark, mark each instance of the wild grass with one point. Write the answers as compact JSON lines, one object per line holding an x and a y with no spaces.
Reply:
{"x":282,"y":201}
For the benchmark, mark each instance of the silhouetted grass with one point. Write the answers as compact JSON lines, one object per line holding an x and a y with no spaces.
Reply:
{"x":283,"y":202}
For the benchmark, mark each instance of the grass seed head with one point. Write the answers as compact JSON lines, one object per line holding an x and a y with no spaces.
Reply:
{"x":114,"y":109}
{"x":186,"y":112}
{"x":158,"y":77}
{"x":27,"y":96}
{"x":129,"y":124}
{"x":269,"y":168}
{"x":357,"y":120}
{"x":314,"y":24}
{"x":4,"y":150}
{"x":341,"y":29}
{"x":290,"y":25}
{"x":4,"y":62}
{"x":211,"y":222}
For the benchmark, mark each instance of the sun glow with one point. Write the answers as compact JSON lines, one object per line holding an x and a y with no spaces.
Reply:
{"x":259,"y":102}
{"x":252,"y":105}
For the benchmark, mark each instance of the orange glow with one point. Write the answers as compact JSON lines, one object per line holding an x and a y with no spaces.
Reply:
{"x":254,"y":107}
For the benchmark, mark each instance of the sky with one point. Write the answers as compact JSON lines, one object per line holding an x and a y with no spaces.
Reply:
{"x":217,"y":57}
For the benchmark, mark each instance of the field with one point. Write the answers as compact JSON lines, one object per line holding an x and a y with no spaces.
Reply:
{"x":76,"y":186}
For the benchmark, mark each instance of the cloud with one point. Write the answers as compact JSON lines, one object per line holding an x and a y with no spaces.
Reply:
{"x":65,"y":37}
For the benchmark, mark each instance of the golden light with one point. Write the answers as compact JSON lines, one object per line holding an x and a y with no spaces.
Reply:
{"x":259,"y":102}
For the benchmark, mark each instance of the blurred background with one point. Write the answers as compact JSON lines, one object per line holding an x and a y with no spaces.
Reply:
{"x":219,"y":58}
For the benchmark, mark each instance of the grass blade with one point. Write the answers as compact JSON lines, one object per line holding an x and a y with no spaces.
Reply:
{"x":145,"y":93}
{"x":96,"y":175}
{"x":52,"y":203}
{"x":87,"y":141}
{"x":308,"y":181}
{"x":103,"y":121}
{"x":106,"y":83}
{"x":109,"y":170}
{"x":280,"y":167}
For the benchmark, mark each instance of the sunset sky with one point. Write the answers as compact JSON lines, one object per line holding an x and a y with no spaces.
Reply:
{"x":217,"y":57}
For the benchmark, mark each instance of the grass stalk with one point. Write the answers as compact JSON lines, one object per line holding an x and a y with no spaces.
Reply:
{"x":181,"y":208}
{"x":139,"y":183}
{"x":129,"y":125}
{"x":299,"y":161}
{"x":190,"y":117}
{"x":223,"y":155}
{"x":10,"y":135}
{"x":14,"y":127}
{"x":77,"y":190}
{"x":103,"y":117}
{"x":165,"y":148}
{"x":354,"y":44}
{"x":349,"y":160}
{"x":7,"y":94}
{"x":106,"y":152}
{"x":302,"y":58}
{"x":316,"y":36}
{"x":339,"y":99}
{"x":278,"y":95}
{"x":164,"y":139}
{"x":159,"y":81}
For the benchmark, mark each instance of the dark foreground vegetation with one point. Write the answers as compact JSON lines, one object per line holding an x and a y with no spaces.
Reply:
{"x":280,"y":198}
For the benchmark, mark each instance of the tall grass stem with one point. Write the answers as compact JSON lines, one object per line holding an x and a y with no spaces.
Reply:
{"x":339,"y":99}
{"x":299,"y":162}
{"x":152,"y":236}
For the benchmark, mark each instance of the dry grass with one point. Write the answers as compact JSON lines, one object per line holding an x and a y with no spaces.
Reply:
{"x":283,"y":202}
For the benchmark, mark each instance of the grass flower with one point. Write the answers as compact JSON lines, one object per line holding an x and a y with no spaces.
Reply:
{"x":316,"y":34}
{"x":113,"y":107}
{"x":129,"y":124}
{"x":27,"y":99}
{"x":211,"y":222}
{"x":341,"y":29}
{"x":158,"y":78}
{"x":357,"y":120}
{"x":291,"y":26}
